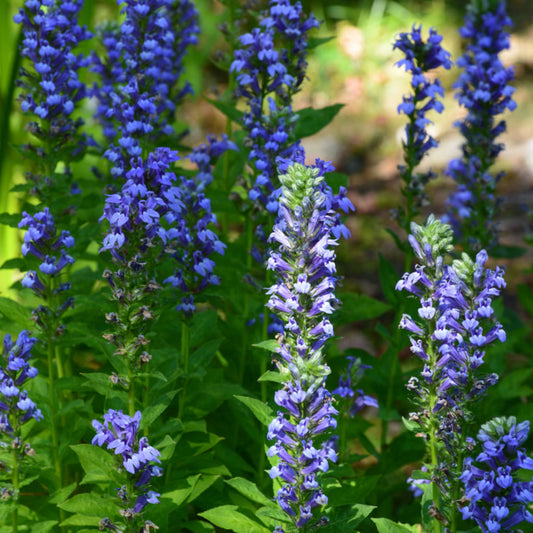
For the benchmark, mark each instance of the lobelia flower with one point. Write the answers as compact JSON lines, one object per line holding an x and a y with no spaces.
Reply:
{"x":455,"y":325}
{"x":483,"y":89}
{"x":140,"y":76}
{"x":303,"y":297}
{"x":52,"y":88}
{"x":119,"y":433}
{"x":16,"y":407}
{"x":272,"y":61}
{"x":44,"y":241}
{"x":495,"y":498}
{"x":357,"y":398}
{"x":420,"y":57}
{"x":192,"y":241}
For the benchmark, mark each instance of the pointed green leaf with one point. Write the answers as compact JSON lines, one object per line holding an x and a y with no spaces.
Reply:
{"x":385,"y":525}
{"x":99,"y":465}
{"x":270,"y":345}
{"x":233,"y":518}
{"x":248,"y":489}
{"x":261,"y":410}
{"x":311,"y":121}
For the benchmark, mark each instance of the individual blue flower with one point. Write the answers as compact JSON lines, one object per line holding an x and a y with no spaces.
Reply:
{"x":496,"y":499}
{"x":303,"y":297}
{"x":421,"y":56}
{"x":484,"y":90}
{"x":357,"y":398}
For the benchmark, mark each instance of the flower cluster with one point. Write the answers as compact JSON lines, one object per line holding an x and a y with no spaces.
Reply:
{"x":303,"y":297}
{"x":420,"y":57}
{"x":149,"y":199}
{"x":455,"y":325}
{"x":272,"y":60}
{"x":15,"y":405}
{"x":192,"y":241}
{"x":495,"y":498}
{"x":52,"y":88}
{"x":119,"y":432}
{"x":456,"y":322}
{"x":43,"y":241}
{"x":483,"y":89}
{"x":357,"y":398}
{"x":140,"y":76}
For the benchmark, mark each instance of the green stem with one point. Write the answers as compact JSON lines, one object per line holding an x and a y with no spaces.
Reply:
{"x":53,"y":422}
{"x":185,"y":333}
{"x":15,"y":480}
{"x":246,"y":307}
{"x":131,"y":389}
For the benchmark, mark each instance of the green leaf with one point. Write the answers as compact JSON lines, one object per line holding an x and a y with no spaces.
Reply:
{"x":233,"y":518}
{"x":349,"y":491}
{"x":248,"y":489}
{"x":198,"y":527}
{"x":81,"y":520}
{"x":99,"y":465}
{"x":388,"y":278}
{"x":314,"y":42}
{"x":16,"y":312}
{"x":272,"y":515}
{"x":17,"y":262}
{"x":156,"y":408}
{"x":336,"y":180}
{"x":358,"y":307}
{"x":270,"y":375}
{"x":311,"y":121}
{"x":271,"y":345}
{"x":10,"y":219}
{"x":227,"y":109}
{"x":261,"y":410}
{"x":410,"y":424}
{"x":180,"y":494}
{"x":59,"y":496}
{"x":90,"y":504}
{"x":345,"y":519}
{"x":385,"y":525}
{"x":43,"y":527}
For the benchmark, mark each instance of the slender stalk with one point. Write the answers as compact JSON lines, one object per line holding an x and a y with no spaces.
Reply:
{"x":15,"y":480}
{"x":53,"y":421}
{"x":246,"y":306}
{"x":433,"y":427}
{"x":131,"y":389}
{"x":185,"y":337}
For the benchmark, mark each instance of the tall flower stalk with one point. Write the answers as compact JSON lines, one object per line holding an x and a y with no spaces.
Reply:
{"x":270,"y":68}
{"x":16,"y":408}
{"x":421,"y":57}
{"x":140,"y":76}
{"x":51,"y":90}
{"x":303,"y":297}
{"x":483,"y":90}
{"x":455,"y":325}
{"x":135,"y":458}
